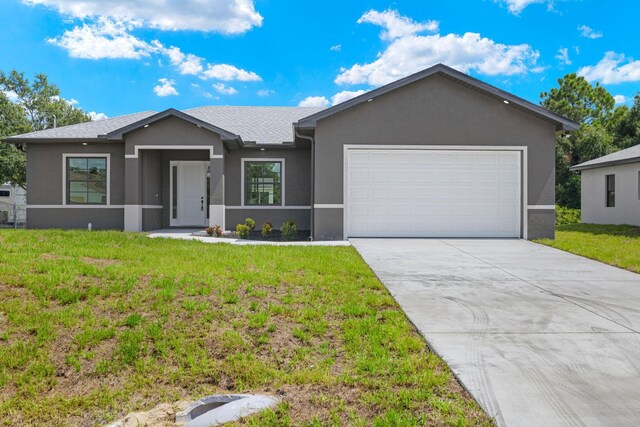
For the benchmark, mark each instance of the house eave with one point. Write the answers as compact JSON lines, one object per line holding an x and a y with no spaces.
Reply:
{"x":582,"y":167}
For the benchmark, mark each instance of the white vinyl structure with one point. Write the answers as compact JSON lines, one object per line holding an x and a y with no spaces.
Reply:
{"x":474,"y":192}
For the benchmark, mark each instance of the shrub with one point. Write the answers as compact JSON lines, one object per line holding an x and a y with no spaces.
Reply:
{"x":567,"y":215}
{"x":243,"y":231}
{"x":289,"y":230}
{"x":267,"y":229}
{"x":216,"y":229}
{"x":250,"y":223}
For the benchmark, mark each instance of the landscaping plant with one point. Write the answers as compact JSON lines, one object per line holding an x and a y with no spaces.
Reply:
{"x":267,"y":229}
{"x":243,"y":231}
{"x":288,"y":230}
{"x":250,"y":223}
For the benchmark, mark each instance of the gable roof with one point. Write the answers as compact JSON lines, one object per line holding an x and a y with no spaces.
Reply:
{"x":262,"y":125}
{"x":628,"y":155}
{"x":561,"y":123}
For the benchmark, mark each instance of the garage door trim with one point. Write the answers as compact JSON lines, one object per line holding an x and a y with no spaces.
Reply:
{"x":523,"y":181}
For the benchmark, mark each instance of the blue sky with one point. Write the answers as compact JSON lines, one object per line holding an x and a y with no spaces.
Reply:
{"x":120,"y":56}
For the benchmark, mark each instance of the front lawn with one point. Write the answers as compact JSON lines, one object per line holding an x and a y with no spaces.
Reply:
{"x":617,"y":245}
{"x":94,"y":325}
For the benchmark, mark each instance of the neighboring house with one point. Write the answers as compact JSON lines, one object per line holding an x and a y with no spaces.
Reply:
{"x":610,"y":188}
{"x":435,"y":154}
{"x":13,"y":202}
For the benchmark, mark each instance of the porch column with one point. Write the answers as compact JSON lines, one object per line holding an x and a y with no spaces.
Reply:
{"x":132,"y":193}
{"x":216,"y":189}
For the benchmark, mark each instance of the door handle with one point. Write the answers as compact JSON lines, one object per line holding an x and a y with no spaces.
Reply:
{"x":201,"y":203}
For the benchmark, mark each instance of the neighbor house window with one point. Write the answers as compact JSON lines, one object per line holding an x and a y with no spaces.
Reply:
{"x":5,"y":193}
{"x":87,"y":180}
{"x":263,"y":183}
{"x":611,"y":190}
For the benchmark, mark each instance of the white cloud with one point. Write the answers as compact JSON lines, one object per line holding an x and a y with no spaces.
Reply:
{"x":589,"y":32}
{"x":517,"y":6}
{"x":335,"y":48}
{"x":410,"y":53}
{"x":165,"y":88}
{"x":186,"y":63}
{"x":345,"y":95}
{"x":265,"y":92}
{"x":97,"y":116}
{"x":620,"y":99}
{"x":225,"y":16}
{"x":563,"y":56}
{"x":613,"y":68}
{"x":105,"y":38}
{"x":223,"y":89}
{"x":226,"y":72}
{"x":395,"y":25}
{"x":314,"y":101}
{"x":11,"y":95}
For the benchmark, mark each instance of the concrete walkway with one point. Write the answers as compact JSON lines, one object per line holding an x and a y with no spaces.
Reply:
{"x":197,"y":235}
{"x":537,"y":335}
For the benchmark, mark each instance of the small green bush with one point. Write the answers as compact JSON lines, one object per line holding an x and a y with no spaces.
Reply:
{"x":250,"y":223}
{"x":267,"y":229}
{"x":567,"y":215}
{"x":243,"y":231}
{"x":289,"y":230}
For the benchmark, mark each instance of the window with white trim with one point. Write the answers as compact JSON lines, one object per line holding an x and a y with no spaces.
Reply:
{"x":86,"y":180}
{"x":263,"y":183}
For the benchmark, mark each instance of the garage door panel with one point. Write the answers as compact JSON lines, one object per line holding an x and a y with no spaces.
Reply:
{"x":439,"y":193}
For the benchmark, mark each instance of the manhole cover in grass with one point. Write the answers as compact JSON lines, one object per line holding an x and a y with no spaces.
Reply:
{"x":222,"y":408}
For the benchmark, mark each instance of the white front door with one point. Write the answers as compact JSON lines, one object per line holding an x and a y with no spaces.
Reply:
{"x":189,"y":187}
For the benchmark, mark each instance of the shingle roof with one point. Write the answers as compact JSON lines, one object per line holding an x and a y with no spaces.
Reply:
{"x":88,"y":130}
{"x":628,"y":155}
{"x":264,"y":125}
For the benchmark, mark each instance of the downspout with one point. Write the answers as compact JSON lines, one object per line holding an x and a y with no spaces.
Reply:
{"x":313,"y":180}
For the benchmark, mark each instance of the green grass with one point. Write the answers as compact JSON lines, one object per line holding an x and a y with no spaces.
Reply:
{"x":94,"y":325}
{"x":617,"y":245}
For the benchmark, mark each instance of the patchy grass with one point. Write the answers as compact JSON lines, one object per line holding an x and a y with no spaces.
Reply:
{"x":94,"y":325}
{"x":617,"y":245}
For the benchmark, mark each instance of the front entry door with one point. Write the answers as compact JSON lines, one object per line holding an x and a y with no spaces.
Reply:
{"x":190,"y":192}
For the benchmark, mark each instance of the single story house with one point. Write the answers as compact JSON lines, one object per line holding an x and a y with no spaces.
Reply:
{"x":610,"y":188}
{"x":13,"y":203}
{"x":435,"y":154}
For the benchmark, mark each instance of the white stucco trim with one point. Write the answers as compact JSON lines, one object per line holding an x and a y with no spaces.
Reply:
{"x":132,"y":217}
{"x":216,"y":215}
{"x":541,"y":207}
{"x":151,"y":206}
{"x":64,"y":176}
{"x":267,"y":207}
{"x":75,"y":206}
{"x":523,"y":162}
{"x":282,"y":180}
{"x":328,"y":206}
{"x":137,"y":148}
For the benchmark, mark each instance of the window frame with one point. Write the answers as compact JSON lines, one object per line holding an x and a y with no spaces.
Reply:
{"x":243,"y":183}
{"x":65,"y":156}
{"x":8,"y":196}
{"x":610,"y":194}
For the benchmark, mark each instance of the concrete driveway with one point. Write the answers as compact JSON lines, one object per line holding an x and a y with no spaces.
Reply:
{"x":537,"y":335}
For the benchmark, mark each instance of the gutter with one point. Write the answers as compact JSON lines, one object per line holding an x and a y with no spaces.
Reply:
{"x":581,"y":167}
{"x":313,"y":180}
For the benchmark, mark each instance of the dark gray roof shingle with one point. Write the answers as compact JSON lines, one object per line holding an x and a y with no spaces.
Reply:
{"x":263,"y":125}
{"x":628,"y":155}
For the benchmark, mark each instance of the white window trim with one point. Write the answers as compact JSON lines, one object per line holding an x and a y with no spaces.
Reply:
{"x":282,"y":180}
{"x":64,"y":176}
{"x":524,"y":165}
{"x":137,"y":148}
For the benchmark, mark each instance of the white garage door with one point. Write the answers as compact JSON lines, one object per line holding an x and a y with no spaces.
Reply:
{"x":433,"y":193}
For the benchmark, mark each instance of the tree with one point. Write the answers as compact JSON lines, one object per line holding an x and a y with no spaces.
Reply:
{"x":593,"y":107}
{"x":627,"y":129}
{"x":37,"y":106}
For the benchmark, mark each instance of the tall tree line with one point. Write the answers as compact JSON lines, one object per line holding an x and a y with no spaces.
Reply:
{"x":33,"y":106}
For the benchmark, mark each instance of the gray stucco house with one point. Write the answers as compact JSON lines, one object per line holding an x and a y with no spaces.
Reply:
{"x":435,"y":154}
{"x":610,"y":188}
